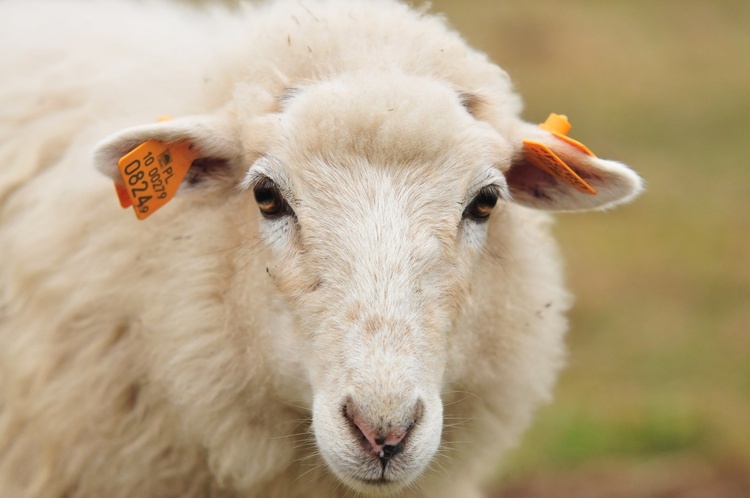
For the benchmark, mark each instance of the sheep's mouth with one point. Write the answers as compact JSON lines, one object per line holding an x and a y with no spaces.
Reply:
{"x":373,"y":477}
{"x":381,"y":486}
{"x":371,"y":471}
{"x":380,"y":481}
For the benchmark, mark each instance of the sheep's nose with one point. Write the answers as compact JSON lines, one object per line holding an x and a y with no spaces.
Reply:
{"x":382,"y":446}
{"x":385,"y":439}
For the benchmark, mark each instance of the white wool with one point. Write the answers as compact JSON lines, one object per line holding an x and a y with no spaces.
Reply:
{"x":209,"y":351}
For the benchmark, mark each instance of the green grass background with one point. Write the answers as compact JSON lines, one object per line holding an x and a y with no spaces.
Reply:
{"x":659,"y":366}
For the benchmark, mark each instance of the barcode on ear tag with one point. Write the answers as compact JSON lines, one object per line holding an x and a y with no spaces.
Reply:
{"x":543,"y":158}
{"x":151,"y":174}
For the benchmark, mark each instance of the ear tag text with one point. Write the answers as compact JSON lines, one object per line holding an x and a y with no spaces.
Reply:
{"x":151,"y":175}
{"x":543,"y":158}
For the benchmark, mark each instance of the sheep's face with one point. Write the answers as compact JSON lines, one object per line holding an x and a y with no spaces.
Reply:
{"x":374,"y":204}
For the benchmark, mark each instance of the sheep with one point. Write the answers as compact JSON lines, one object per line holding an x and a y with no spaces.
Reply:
{"x":354,"y":291}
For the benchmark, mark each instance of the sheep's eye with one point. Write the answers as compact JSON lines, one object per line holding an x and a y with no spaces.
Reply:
{"x":269,"y":199}
{"x":480,"y":208}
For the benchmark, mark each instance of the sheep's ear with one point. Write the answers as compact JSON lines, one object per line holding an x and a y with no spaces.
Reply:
{"x":150,"y":163}
{"x":214,"y":148}
{"x":553,"y":172}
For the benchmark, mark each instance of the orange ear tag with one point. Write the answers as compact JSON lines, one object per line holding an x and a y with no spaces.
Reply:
{"x":151,"y":174}
{"x":543,"y":158}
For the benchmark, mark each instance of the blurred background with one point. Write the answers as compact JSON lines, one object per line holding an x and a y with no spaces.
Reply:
{"x":655,"y":401}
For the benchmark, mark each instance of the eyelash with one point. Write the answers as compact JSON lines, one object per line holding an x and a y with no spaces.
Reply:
{"x":481,"y":206}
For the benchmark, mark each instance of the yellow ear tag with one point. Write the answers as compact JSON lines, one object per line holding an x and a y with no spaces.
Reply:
{"x":543,"y":158}
{"x":152,"y":173}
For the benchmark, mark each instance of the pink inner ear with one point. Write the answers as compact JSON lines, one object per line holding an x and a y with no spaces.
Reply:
{"x":524,"y":179}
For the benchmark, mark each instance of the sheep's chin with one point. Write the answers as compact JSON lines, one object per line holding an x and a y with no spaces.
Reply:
{"x":375,"y":488}
{"x":364,"y":478}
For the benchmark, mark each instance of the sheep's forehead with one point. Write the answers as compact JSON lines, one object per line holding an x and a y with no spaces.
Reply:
{"x":358,"y":134}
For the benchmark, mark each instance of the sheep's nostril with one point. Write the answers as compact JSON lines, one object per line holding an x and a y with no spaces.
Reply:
{"x":391,"y":451}
{"x":385,"y":441}
{"x":384,"y":447}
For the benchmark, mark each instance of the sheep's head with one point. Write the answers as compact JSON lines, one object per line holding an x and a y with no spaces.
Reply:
{"x":375,"y":204}
{"x":376,"y":198}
